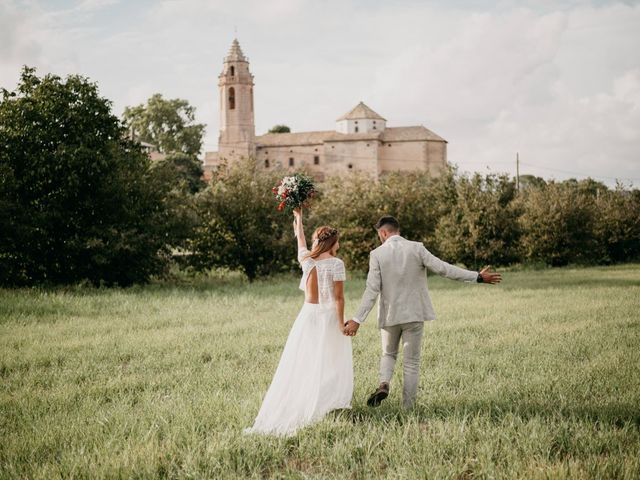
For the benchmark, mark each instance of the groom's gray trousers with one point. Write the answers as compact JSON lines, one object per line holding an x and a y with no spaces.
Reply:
{"x":411,"y":336}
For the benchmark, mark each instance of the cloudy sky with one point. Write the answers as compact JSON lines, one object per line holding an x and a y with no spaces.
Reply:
{"x":557,"y":81}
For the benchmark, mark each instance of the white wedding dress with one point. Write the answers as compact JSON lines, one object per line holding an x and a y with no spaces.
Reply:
{"x":315,"y":373}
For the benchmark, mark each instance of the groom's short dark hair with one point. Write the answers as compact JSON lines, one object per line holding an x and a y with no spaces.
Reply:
{"x":388,"y":221}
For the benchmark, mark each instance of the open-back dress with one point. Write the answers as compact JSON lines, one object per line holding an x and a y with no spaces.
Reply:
{"x":315,"y":373}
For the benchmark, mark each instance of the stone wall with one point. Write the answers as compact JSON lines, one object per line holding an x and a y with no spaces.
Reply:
{"x":343,"y":157}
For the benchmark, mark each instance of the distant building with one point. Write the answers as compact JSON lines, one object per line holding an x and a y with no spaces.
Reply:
{"x":361,"y":141}
{"x":151,"y":150}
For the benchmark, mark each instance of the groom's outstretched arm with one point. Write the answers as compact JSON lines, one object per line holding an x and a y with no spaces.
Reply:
{"x":374,"y":284}
{"x":444,"y":269}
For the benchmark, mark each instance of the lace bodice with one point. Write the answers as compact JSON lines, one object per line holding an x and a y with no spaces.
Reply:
{"x":329,"y":270}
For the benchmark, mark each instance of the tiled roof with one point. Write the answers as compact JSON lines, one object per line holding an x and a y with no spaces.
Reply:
{"x":298,"y":138}
{"x":399,"y":134}
{"x":350,"y":137}
{"x":361,"y":111}
{"x":393,"y":134}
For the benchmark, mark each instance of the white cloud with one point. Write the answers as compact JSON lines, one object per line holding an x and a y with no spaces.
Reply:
{"x":95,"y":5}
{"x":18,"y":43}
{"x":559,"y":83}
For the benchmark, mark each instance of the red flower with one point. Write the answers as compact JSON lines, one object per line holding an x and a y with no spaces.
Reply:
{"x":281,"y":206}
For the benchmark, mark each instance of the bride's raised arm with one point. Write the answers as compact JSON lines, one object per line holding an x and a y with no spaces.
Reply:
{"x":298,"y":228}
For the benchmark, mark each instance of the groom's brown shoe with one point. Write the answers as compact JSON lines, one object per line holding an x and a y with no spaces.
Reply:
{"x":379,"y":395}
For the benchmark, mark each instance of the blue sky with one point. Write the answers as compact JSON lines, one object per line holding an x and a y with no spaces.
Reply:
{"x":557,"y":81}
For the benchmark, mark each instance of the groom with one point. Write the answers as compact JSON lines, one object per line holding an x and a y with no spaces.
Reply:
{"x":397,"y":275}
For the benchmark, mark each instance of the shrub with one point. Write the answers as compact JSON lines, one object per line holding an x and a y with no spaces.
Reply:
{"x":617,"y":225}
{"x":481,"y":227}
{"x":558,"y":223}
{"x":239,"y":226}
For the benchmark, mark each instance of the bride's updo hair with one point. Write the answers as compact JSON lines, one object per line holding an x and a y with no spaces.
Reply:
{"x":324,"y":239}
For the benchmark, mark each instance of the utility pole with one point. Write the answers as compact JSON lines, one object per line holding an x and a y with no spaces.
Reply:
{"x":517,"y":171}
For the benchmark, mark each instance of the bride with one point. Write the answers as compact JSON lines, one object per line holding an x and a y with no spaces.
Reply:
{"x":315,"y":373}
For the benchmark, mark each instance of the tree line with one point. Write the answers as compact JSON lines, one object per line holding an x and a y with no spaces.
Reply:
{"x":81,"y":201}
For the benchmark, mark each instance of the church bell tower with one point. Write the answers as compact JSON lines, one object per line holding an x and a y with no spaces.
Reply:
{"x":237,"y":128}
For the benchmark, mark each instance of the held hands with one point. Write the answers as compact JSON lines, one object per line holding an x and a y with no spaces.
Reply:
{"x":490,"y":277}
{"x":351,"y":328}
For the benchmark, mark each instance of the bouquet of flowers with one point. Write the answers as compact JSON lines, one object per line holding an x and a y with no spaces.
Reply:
{"x":294,"y":192}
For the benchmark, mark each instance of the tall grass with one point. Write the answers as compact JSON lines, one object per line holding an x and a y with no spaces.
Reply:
{"x":535,"y":378}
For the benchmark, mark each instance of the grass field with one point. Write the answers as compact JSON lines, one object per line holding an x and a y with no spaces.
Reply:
{"x":536,"y":378}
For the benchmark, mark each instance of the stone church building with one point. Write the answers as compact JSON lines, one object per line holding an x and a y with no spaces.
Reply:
{"x":361,"y":141}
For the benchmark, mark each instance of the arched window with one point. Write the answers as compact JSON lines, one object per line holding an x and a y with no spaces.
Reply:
{"x":232,"y":98}
{"x":251,"y":99}
{"x":266,"y":163}
{"x":233,"y":70}
{"x":356,"y":129}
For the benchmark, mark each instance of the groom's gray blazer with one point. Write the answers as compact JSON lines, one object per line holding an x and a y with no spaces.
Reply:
{"x":397,"y":273}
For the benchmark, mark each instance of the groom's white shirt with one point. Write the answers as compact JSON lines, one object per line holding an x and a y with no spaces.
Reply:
{"x":397,"y":274}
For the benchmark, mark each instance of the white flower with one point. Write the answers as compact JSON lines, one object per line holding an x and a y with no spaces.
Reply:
{"x":290,"y":183}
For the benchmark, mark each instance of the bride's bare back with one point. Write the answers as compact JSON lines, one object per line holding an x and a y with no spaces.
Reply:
{"x":311,"y":292}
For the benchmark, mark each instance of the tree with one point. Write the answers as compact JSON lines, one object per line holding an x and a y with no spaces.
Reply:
{"x":354,"y":203}
{"x":239,"y":226}
{"x":280,"y":129}
{"x":185,"y":170}
{"x":558,"y":224}
{"x":482,"y":227}
{"x":531,"y":181}
{"x":76,"y":196}
{"x":168,"y":124}
{"x":618,"y":224}
{"x":179,"y":177}
{"x":351,"y":205}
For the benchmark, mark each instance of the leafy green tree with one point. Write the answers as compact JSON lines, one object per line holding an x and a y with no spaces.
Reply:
{"x":168,"y":124}
{"x":239,"y":226}
{"x":280,"y":129}
{"x":76,"y":196}
{"x":354,"y":203}
{"x":588,"y":186}
{"x":618,"y":224}
{"x":185,"y":170}
{"x":351,"y":205}
{"x":178,"y":177}
{"x":531,"y":181}
{"x":558,"y":224}
{"x":482,"y":227}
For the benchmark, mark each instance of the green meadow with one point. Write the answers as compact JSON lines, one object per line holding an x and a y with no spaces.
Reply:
{"x":538,"y":377}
